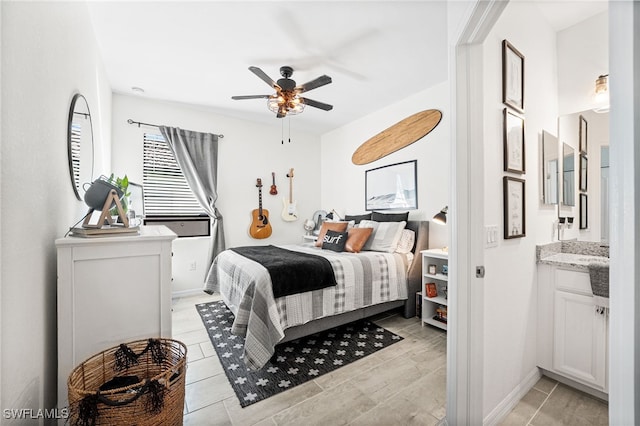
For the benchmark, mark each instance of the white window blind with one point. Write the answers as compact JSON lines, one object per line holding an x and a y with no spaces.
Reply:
{"x":166,"y":192}
{"x":76,"y":138}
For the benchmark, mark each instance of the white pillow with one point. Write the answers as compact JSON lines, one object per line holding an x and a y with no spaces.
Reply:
{"x":385,"y":236}
{"x":407,"y":238}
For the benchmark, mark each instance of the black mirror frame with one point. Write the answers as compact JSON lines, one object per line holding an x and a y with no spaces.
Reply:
{"x":74,"y":101}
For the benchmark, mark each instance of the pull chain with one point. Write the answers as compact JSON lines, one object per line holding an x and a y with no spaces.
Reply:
{"x":282,"y":129}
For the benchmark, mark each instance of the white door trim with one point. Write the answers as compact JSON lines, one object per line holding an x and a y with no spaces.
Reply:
{"x":624,"y":228}
{"x":465,"y":355}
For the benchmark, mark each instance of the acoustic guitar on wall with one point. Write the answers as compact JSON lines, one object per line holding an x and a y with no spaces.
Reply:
{"x":260,"y":226}
{"x":289,"y":212}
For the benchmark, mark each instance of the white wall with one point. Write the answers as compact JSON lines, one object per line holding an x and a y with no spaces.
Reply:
{"x":247,"y":151}
{"x":343,"y":182}
{"x":48,"y":54}
{"x":510,"y":280}
{"x":583,"y":55}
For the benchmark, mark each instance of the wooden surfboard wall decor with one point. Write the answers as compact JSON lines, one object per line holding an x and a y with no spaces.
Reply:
{"x":398,"y":136}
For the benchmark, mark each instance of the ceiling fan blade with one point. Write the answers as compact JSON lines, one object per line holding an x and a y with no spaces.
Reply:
{"x":257,"y":71}
{"x":317,"y":104}
{"x":250,"y":97}
{"x":314,"y":84}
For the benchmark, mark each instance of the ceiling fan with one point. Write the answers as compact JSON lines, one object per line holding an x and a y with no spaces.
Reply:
{"x":287,"y":99}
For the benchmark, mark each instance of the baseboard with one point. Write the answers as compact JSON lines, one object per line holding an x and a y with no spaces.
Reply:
{"x":576,"y":385}
{"x":506,"y":405}
{"x":185,"y":293}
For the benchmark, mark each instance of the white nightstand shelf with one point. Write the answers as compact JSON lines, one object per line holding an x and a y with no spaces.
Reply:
{"x":431,"y":306}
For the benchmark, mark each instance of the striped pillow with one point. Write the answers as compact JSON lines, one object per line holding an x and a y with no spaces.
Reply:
{"x":385,"y":236}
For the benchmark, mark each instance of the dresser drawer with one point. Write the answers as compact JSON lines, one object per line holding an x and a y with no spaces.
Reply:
{"x":183,"y":227}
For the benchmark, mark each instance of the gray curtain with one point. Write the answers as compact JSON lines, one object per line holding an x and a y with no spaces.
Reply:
{"x":197,"y":155}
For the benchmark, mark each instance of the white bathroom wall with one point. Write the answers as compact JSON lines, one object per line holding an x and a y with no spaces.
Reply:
{"x":48,"y":53}
{"x":583,"y":55}
{"x":510,"y":280}
{"x":343,"y":183}
{"x":248,"y":151}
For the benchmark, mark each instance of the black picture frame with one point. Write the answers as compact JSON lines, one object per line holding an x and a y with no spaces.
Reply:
{"x":512,"y":77}
{"x":584,"y":212}
{"x":582,"y":135}
{"x":513,"y":142}
{"x":392,"y":187}
{"x":583,"y":173}
{"x":514,"y":211}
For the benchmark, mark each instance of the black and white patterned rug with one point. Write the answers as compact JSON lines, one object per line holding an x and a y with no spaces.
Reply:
{"x":294,"y":362}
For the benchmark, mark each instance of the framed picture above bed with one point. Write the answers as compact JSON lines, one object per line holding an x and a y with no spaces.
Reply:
{"x":392,"y":187}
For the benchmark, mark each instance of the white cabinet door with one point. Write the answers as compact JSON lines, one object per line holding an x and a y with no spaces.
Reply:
{"x":579,"y":339}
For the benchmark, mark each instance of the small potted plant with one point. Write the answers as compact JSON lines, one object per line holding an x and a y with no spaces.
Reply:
{"x":123,"y":185}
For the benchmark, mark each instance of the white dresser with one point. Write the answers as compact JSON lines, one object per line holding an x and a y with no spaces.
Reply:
{"x":111,"y":290}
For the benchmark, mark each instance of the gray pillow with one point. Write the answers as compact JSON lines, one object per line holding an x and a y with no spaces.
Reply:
{"x":357,"y":218}
{"x":390,"y":217}
{"x":385,"y":236}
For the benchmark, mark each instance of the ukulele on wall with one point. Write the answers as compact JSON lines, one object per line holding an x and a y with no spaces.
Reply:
{"x":289,"y":212}
{"x":260,"y":226}
{"x":274,"y":188}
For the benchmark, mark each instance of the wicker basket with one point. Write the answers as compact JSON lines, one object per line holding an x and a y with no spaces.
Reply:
{"x":156,"y":399}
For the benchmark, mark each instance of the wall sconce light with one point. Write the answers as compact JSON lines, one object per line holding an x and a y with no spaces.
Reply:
{"x":601,"y":96}
{"x":441,"y":217}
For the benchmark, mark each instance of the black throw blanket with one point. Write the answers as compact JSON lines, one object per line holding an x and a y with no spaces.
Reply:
{"x":291,"y":272}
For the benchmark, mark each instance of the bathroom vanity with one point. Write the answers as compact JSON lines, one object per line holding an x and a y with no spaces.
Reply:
{"x":572,"y":325}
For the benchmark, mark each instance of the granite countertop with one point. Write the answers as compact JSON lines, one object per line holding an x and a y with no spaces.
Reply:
{"x":575,"y":261}
{"x":583,"y":256}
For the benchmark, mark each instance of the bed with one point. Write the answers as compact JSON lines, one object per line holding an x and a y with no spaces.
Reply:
{"x":368,"y":283}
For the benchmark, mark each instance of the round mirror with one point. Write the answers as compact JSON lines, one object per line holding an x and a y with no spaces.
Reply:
{"x":80,"y":143}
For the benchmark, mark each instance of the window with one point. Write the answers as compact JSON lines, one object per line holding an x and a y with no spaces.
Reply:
{"x":166,"y":192}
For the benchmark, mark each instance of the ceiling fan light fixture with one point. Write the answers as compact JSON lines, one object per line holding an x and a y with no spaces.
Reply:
{"x":285,"y":104}
{"x":287,"y":99}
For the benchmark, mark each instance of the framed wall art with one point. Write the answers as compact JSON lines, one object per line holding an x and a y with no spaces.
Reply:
{"x":513,"y":137}
{"x":584,"y":217}
{"x":514,"y":207}
{"x":583,"y":173}
{"x":391,"y":187}
{"x":583,"y":136}
{"x":512,"y":77}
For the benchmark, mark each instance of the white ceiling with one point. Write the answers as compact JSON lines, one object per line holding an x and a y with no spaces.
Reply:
{"x":198,"y":53}
{"x":377,"y":52}
{"x":563,"y":14}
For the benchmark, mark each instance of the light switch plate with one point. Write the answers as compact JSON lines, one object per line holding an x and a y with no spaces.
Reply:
{"x":491,"y":236}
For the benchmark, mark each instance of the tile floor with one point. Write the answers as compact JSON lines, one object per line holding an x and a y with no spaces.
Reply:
{"x":403,"y":384}
{"x":550,"y":403}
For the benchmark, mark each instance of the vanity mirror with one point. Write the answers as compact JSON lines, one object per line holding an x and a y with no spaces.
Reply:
{"x":568,"y":175}
{"x":549,"y":168}
{"x":80,"y":143}
{"x":589,"y":186}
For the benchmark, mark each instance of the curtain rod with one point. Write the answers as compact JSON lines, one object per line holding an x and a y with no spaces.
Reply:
{"x":130,"y":121}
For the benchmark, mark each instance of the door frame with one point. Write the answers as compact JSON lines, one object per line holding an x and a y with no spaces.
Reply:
{"x":465,"y":349}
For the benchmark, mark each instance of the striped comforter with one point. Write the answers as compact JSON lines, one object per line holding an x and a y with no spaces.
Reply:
{"x":363,"y":279}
